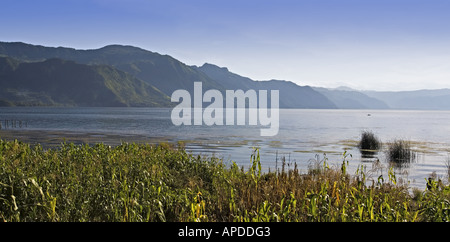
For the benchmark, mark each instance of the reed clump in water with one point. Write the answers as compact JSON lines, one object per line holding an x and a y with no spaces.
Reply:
{"x":369,"y":141}
{"x":369,"y":144}
{"x":399,"y":152}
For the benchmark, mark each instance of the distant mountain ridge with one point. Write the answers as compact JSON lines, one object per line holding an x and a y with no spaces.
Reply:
{"x":345,"y":98}
{"x":122,"y":75}
{"x":164,"y":72}
{"x":291,"y":95}
{"x":161,"y":71}
{"x":438,"y":99}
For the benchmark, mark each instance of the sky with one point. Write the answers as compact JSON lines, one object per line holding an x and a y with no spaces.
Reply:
{"x":384,"y":45}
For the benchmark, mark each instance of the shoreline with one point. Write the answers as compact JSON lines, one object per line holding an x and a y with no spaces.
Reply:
{"x":53,"y":138}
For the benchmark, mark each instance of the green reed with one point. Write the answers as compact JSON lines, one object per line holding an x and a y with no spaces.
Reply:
{"x":163,"y":183}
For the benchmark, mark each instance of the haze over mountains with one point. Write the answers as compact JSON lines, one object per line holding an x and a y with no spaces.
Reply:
{"x":117,"y":75}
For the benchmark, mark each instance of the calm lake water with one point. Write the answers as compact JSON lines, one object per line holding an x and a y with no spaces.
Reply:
{"x":304,"y":135}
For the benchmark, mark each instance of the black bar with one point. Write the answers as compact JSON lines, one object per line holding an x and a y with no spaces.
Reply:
{"x":227,"y":231}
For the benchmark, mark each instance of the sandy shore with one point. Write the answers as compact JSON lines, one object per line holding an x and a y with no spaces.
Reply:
{"x":55,"y":138}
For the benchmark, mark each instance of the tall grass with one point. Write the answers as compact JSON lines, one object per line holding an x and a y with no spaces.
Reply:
{"x":162,"y":183}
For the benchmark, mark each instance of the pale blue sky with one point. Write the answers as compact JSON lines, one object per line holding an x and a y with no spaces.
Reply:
{"x":364,"y":44}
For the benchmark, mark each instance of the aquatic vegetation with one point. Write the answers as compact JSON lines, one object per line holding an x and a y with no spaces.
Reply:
{"x":447,"y":166}
{"x":369,"y":144}
{"x":399,"y":152}
{"x":369,"y":141}
{"x":163,"y":183}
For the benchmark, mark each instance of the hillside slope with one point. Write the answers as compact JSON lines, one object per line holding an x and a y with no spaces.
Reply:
{"x":61,"y":82}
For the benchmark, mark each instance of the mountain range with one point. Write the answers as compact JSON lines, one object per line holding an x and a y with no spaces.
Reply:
{"x":127,"y":76}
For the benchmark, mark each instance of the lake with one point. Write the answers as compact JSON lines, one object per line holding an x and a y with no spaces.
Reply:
{"x":304,"y":135}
